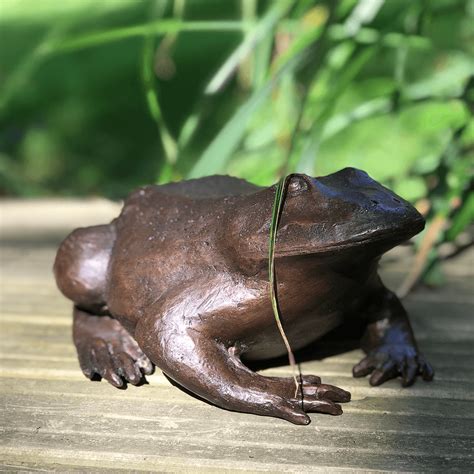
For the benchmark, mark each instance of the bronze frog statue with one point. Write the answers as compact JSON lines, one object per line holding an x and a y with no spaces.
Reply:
{"x":180,"y":280}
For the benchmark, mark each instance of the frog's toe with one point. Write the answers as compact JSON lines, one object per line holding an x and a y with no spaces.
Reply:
{"x":387,"y":371}
{"x":322,"y":406}
{"x":86,"y":364}
{"x":331,"y":393}
{"x":127,"y":368}
{"x":308,"y":380}
{"x":103,"y":363}
{"x":129,"y":347}
{"x":365,"y":367}
{"x":409,"y":372}
{"x":425,"y":369}
{"x":294,"y":415}
{"x":416,"y":366}
{"x":145,"y":364}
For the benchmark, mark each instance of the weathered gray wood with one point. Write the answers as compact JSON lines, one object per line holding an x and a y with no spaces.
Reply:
{"x":341,"y":450}
{"x":458,"y":370}
{"x":53,"y":419}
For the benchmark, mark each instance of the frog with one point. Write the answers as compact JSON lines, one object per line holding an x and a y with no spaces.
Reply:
{"x":180,"y":281}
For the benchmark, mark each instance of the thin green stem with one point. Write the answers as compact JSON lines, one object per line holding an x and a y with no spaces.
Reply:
{"x":162,"y":27}
{"x":276,"y":212}
{"x":169,"y":144}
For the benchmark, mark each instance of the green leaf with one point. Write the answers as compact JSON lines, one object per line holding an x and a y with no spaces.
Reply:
{"x":410,"y":189}
{"x":462,"y":219}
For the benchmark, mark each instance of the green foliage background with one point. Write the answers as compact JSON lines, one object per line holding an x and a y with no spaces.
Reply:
{"x":98,"y":97}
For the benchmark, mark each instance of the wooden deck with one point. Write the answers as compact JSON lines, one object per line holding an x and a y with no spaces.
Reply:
{"x":54,"y":419}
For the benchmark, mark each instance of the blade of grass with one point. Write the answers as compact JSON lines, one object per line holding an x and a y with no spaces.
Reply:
{"x":344,"y":78}
{"x":253,"y":37}
{"x":169,"y":144}
{"x":26,"y":68}
{"x":276,"y":212}
{"x":160,"y":27}
{"x":219,"y":151}
{"x":369,"y":109}
{"x":312,"y":63}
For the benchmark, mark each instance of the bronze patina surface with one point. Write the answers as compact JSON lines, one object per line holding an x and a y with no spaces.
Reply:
{"x":180,"y":280}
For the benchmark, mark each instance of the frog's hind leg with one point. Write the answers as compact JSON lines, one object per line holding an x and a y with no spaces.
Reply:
{"x":81,"y":266}
{"x":106,"y":349}
{"x":205,"y":366}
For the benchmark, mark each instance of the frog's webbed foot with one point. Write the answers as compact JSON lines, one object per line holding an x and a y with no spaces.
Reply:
{"x":205,"y":366}
{"x":312,"y":396}
{"x":107,"y":350}
{"x":389,"y":343}
{"x":389,"y":361}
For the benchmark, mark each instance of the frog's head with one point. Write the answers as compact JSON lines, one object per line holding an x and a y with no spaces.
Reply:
{"x":342,"y":210}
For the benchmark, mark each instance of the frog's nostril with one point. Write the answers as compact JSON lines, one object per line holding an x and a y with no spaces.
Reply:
{"x":374,"y":201}
{"x":396,"y":200}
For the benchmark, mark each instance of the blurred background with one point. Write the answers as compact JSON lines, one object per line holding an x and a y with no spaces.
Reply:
{"x":97,"y":98}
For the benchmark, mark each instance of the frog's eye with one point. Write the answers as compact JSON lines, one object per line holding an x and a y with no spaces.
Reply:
{"x":297,"y":185}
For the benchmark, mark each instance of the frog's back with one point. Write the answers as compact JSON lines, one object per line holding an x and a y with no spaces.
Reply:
{"x":208,"y":187}
{"x":178,"y":209}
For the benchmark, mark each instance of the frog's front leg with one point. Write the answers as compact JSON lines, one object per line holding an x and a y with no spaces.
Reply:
{"x":389,"y":343}
{"x":191,"y":356}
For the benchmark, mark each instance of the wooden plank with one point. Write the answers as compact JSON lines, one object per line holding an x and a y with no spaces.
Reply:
{"x":308,"y":447}
{"x":165,"y":395}
{"x":221,"y":436}
{"x":151,"y":462}
{"x":360,"y":415}
{"x":16,"y":463}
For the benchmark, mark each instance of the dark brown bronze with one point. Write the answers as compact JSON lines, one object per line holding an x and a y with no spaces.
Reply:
{"x":180,"y":280}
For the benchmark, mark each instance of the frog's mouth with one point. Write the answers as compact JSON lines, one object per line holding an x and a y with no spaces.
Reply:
{"x":384,"y":238}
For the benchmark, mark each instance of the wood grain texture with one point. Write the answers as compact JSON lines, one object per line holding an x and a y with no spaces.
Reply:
{"x":53,"y":419}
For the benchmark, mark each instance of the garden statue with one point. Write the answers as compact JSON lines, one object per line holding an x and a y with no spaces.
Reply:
{"x":180,"y":280}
